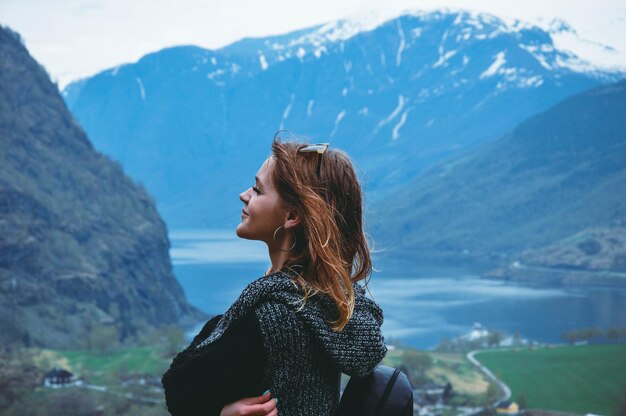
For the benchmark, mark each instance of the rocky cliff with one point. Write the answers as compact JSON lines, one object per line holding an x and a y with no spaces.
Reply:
{"x":82,"y":248}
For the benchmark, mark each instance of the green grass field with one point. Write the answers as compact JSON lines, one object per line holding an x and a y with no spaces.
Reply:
{"x":448,"y":367}
{"x":105,"y":368}
{"x":579,"y":379}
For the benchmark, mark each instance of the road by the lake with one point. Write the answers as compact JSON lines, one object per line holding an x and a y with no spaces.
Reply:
{"x":506,"y":391}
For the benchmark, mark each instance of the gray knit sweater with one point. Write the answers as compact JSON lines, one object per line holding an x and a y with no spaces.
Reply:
{"x":304,"y":355}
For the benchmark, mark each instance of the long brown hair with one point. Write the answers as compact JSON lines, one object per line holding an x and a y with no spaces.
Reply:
{"x":331,"y":250}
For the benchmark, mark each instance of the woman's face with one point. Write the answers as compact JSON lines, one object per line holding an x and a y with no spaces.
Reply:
{"x":263,"y":211}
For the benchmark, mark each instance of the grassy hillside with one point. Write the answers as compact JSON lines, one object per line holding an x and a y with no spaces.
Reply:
{"x":557,"y":174}
{"x":470,"y":386}
{"x":107,"y":368}
{"x":121,"y":382}
{"x":580,"y":379}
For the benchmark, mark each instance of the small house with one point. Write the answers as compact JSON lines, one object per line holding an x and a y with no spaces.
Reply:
{"x":507,"y":407}
{"x":59,"y":377}
{"x":430,"y":394}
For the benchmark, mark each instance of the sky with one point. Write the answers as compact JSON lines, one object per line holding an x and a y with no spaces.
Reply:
{"x":78,"y":38}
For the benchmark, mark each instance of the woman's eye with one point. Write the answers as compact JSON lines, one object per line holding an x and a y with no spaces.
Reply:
{"x":255,"y":189}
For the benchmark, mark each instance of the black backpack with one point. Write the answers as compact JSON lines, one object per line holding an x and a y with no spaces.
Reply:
{"x":384,"y":392}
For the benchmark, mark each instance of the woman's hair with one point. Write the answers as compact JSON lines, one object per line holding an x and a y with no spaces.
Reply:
{"x":331,"y":251}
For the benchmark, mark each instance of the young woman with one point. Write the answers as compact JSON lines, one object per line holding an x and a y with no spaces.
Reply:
{"x":282,"y":346}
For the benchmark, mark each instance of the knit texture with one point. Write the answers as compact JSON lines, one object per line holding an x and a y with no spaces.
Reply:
{"x":304,"y":355}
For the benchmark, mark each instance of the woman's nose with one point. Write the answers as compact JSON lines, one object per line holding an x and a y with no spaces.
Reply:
{"x":243,"y":197}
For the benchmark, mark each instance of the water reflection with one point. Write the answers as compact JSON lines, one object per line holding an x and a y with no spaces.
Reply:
{"x":214,"y":246}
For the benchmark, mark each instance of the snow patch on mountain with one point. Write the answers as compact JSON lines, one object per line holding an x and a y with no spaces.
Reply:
{"x":215,"y":74}
{"x":338,"y":119}
{"x":286,"y":112}
{"x":402,"y":44}
{"x":319,"y":51}
{"x":263,"y":62}
{"x":309,"y":107}
{"x":346,"y":28}
{"x":495,"y":66}
{"x":537,"y":53}
{"x":142,"y":90}
{"x":579,"y":54}
{"x":443,"y":58}
{"x":587,"y":55}
{"x":393,"y":114}
{"x":397,"y":127}
{"x":510,"y":76}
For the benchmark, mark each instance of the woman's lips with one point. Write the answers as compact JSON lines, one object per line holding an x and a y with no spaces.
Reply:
{"x":244,"y":213}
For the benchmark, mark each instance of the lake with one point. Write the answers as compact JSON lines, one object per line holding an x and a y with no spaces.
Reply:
{"x":421,"y":306}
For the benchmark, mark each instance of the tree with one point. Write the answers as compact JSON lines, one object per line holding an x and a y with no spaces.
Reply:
{"x":495,"y":338}
{"x":569,"y":336}
{"x":615,"y":333}
{"x":174,"y":337}
{"x":587,"y":334}
{"x":447,"y":393}
{"x":102,"y":338}
{"x":418,"y":363}
{"x":620,"y":410}
{"x":18,"y":378}
{"x":445,"y":345}
{"x":492,"y":394}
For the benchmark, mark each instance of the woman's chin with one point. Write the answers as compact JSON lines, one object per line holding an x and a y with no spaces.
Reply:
{"x":241,"y":232}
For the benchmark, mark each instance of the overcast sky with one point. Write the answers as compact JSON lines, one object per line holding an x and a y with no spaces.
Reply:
{"x":76,"y":38}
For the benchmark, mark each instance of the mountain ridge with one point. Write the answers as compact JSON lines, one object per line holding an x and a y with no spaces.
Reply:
{"x":83,"y":251}
{"x":441,"y":85}
{"x":556,"y":175}
{"x":350,"y":26}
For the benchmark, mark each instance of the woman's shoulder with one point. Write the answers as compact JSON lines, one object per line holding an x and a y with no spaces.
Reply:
{"x":275,"y":310}
{"x":274,"y":315}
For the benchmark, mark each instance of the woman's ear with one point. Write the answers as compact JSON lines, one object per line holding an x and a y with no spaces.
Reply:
{"x":293,"y":218}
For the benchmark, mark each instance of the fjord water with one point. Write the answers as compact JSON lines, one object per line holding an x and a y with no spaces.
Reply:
{"x":421,"y":305}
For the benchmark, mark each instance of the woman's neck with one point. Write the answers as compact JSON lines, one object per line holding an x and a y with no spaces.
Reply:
{"x":278,"y":258}
{"x":279,"y":251}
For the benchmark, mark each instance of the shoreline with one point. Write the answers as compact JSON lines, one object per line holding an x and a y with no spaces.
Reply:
{"x":519,"y":272}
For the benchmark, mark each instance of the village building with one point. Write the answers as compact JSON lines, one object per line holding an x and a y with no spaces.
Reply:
{"x":507,"y":407}
{"x":59,"y":377}
{"x":432,"y":394}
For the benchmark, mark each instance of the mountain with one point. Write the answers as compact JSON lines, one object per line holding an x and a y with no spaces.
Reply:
{"x":83,"y":250}
{"x":596,"y":249}
{"x":555,"y":179}
{"x":193,"y":125}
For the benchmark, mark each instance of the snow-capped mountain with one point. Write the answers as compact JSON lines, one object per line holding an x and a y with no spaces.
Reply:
{"x":574,"y":52}
{"x":399,"y":95}
{"x":585,"y":54}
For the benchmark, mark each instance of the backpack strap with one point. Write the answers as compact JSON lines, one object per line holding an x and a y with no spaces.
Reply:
{"x":384,"y":392}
